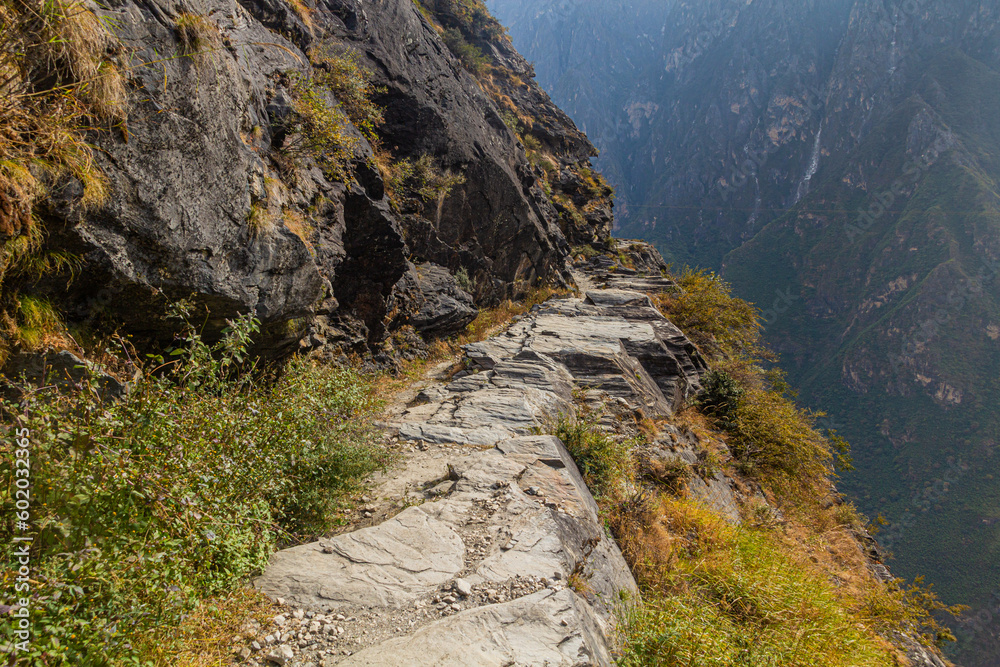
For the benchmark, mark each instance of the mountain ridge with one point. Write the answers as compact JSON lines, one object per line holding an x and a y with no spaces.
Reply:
{"x":853,"y":197}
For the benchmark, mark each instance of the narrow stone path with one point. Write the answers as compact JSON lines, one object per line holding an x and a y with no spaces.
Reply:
{"x":498,"y":556}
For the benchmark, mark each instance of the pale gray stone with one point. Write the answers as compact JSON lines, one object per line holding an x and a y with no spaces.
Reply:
{"x":555,"y":628}
{"x":281,"y":655}
{"x":386,"y":565}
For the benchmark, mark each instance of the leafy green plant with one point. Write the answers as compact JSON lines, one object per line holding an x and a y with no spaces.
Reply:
{"x":179,"y":491}
{"x":605,"y":461}
{"x":420,"y":178}
{"x":463,"y":279}
{"x":319,"y":128}
{"x":339,"y":70}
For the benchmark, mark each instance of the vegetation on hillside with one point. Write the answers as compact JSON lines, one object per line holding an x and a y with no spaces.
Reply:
{"x":471,"y":32}
{"x":890,"y":330}
{"x":58,"y":79}
{"x":791,"y":585}
{"x":329,"y":107}
{"x":145,"y":507}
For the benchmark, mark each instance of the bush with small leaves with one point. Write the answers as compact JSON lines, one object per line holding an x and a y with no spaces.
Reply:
{"x":143,"y":507}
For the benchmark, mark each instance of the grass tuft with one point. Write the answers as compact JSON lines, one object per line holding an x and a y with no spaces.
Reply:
{"x":58,"y":79}
{"x":196,"y":34}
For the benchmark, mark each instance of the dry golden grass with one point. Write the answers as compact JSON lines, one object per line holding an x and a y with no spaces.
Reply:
{"x":304,"y":12}
{"x":58,"y":79}
{"x":205,"y":638}
{"x":197,"y":34}
{"x":259,"y":219}
{"x":297,"y":224}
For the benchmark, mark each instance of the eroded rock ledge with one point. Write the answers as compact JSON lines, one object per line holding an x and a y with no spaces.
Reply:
{"x":499,"y":556}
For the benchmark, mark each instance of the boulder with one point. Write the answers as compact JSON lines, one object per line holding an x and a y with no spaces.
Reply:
{"x":447,"y":308}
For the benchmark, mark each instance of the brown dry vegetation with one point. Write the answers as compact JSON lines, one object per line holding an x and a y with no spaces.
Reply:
{"x":59,"y":79}
{"x":785,"y":588}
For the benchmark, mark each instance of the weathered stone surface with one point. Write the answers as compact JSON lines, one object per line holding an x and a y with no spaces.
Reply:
{"x":207,"y":200}
{"x":446,"y":308}
{"x":386,"y":565}
{"x":478,"y":574}
{"x":619,"y":343}
{"x":63,"y":369}
{"x":545,"y":628}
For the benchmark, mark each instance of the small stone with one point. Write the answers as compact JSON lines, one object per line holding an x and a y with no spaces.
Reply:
{"x":255,"y":646}
{"x":280,"y":602}
{"x":270,"y":639}
{"x":280,"y":620}
{"x":298,"y":613}
{"x":463,"y":588}
{"x":281,"y":655}
{"x":455,"y":607}
{"x":449,"y":599}
{"x":340,"y":617}
{"x":243,"y":653}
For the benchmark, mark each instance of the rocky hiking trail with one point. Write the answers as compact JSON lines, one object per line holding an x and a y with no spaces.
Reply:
{"x":486,"y":546}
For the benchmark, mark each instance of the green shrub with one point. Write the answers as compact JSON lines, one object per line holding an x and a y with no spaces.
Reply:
{"x":336,"y":95}
{"x":721,"y":325}
{"x":770,"y":437}
{"x":318,"y":128}
{"x":463,"y":279}
{"x":720,"y":397}
{"x":339,"y":70}
{"x":143,"y":507}
{"x":605,"y":461}
{"x":420,"y":178}
{"x":471,"y":56}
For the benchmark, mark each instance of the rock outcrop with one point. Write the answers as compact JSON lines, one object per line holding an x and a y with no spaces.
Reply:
{"x":446,"y":308}
{"x":211,"y":196}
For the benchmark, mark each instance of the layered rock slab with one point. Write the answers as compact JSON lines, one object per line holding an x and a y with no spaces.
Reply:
{"x":544,"y":628}
{"x":386,"y":565}
{"x":504,"y":509}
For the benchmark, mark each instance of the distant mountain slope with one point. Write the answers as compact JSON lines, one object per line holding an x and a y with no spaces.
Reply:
{"x":684,"y":100}
{"x":839,"y":161}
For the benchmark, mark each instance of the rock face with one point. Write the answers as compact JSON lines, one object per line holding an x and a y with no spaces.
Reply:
{"x":207,"y":200}
{"x":507,"y":561}
{"x":446,"y":307}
